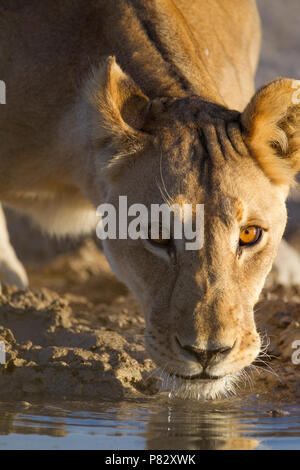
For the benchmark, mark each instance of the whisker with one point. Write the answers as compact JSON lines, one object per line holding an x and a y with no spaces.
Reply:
{"x":272,"y":372}
{"x":169,"y":199}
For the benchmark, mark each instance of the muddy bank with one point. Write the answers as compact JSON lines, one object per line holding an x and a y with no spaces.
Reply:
{"x":84,"y":343}
{"x":278,"y":320}
{"x":82,"y":336}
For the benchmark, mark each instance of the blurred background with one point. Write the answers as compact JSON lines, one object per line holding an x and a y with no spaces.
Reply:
{"x":280,"y":56}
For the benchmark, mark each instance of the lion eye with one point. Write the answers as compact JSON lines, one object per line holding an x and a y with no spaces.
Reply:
{"x":161,"y":238}
{"x":250,"y":235}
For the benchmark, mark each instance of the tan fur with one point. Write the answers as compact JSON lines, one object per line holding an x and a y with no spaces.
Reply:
{"x":117,"y":96}
{"x":144,"y":98}
{"x":272,"y":122}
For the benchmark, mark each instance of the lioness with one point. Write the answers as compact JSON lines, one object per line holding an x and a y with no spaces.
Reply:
{"x":152,"y":99}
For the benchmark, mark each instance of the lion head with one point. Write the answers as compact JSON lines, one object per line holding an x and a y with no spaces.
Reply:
{"x":198,"y":304}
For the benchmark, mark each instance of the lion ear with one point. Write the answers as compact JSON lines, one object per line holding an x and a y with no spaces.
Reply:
{"x":121,"y":110}
{"x":272,"y":127}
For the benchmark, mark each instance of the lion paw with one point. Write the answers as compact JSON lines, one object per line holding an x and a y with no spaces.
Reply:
{"x":12,"y":272}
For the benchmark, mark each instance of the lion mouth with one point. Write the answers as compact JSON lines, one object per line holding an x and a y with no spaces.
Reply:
{"x":202,"y":376}
{"x":199,"y":386}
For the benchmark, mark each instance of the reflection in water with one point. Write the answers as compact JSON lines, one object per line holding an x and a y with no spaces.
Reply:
{"x":154,"y":425}
{"x":180,"y":428}
{"x":20,"y":423}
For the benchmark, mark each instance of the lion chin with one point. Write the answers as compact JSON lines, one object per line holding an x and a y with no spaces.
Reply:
{"x":179,"y":387}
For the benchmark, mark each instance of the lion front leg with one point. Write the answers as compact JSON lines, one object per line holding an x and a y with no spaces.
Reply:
{"x":11,"y":269}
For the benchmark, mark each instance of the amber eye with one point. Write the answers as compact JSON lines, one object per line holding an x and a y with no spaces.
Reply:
{"x":250,"y":235}
{"x":160,"y":238}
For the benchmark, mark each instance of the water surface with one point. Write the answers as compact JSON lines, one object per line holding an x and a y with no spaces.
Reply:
{"x":154,"y":424}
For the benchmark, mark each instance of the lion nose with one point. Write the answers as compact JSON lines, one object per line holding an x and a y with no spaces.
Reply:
{"x":206,"y":356}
